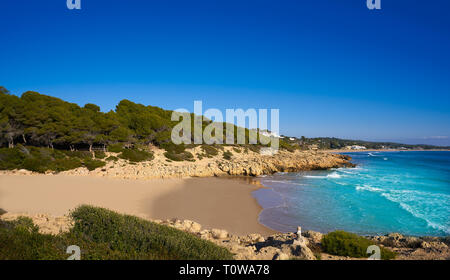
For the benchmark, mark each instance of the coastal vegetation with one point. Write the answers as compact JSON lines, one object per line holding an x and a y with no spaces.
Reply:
{"x":45,"y":121}
{"x":210,"y":151}
{"x":177,"y":152}
{"x":227,"y":155}
{"x":40,"y":159}
{"x":103,"y":234}
{"x":331,"y":143}
{"x":136,"y":155}
{"x":61,"y":135}
{"x":343,"y":243}
{"x":42,"y":133}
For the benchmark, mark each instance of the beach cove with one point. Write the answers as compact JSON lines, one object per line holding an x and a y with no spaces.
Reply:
{"x":225,"y":210}
{"x":213,"y":202}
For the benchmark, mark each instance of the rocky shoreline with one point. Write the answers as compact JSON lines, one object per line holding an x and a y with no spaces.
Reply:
{"x":281,"y":246}
{"x":241,"y":164}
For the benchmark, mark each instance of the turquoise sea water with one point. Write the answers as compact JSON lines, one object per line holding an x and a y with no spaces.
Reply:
{"x":406,"y":192}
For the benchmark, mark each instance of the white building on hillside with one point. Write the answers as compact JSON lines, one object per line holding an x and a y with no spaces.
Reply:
{"x":355,"y":147}
{"x":269,"y":134}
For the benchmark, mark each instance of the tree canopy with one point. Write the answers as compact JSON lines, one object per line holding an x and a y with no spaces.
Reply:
{"x":41,"y":120}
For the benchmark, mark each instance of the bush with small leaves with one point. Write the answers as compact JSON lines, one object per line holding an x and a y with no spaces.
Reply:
{"x":177,"y":152}
{"x":227,"y":155}
{"x":92,"y":164}
{"x":343,"y":243}
{"x":100,"y":154}
{"x":237,"y":150}
{"x":210,"y":150}
{"x":112,"y":158}
{"x":115,"y":148}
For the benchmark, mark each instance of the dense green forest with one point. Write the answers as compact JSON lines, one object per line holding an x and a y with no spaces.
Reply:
{"x":327,"y":143}
{"x":44,"y":121}
{"x":40,"y":133}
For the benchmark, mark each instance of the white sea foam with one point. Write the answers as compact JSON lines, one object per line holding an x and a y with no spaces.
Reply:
{"x":424,"y":217}
{"x":409,"y":195}
{"x":350,"y":171}
{"x":341,"y":183}
{"x":368,"y":188}
{"x":315,"y":177}
{"x":333,"y":175}
{"x":359,"y":168}
{"x":423,"y":205}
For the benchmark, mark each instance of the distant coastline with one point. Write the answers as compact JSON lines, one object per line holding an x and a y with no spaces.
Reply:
{"x":384,"y":150}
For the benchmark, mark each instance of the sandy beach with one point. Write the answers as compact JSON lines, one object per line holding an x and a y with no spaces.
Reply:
{"x":213,"y":202}
{"x":214,"y":192}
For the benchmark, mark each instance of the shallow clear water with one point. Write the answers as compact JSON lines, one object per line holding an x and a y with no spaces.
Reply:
{"x":406,"y":192}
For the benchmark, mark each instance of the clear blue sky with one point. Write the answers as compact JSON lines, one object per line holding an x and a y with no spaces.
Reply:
{"x":333,"y":68}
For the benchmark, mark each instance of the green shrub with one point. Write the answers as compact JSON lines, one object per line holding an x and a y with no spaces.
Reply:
{"x":115,"y":148}
{"x":179,"y":157}
{"x":343,"y":243}
{"x":253,"y":148}
{"x":92,"y":164}
{"x":227,"y":155}
{"x":40,"y":159}
{"x":112,"y":158}
{"x":141,"y":239}
{"x":286,"y":146}
{"x":237,"y":150}
{"x":11,"y":158}
{"x":172,"y":148}
{"x":100,"y":154}
{"x":210,"y":150}
{"x":177,"y":152}
{"x":20,"y":240}
{"x":66,"y":164}
{"x":102,"y":234}
{"x":35,"y":164}
{"x":135,"y":155}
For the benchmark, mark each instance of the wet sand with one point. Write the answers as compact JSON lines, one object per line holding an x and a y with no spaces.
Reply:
{"x":213,"y":202}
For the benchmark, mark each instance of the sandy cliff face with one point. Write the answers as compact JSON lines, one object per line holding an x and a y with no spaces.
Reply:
{"x":241,"y":164}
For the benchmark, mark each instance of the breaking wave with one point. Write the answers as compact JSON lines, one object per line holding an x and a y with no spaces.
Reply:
{"x":405,"y":192}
